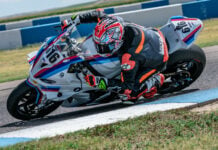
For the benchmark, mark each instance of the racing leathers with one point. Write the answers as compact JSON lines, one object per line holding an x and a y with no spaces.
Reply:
{"x":142,"y":55}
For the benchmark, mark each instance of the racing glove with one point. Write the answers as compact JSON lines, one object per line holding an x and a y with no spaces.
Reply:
{"x":96,"y":81}
{"x":75,"y":19}
{"x":66,"y":23}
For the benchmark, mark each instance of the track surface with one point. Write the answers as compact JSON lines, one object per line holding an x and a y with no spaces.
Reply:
{"x":8,"y":123}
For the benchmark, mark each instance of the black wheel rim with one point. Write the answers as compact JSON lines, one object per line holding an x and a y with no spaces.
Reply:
{"x":26,"y":104}
{"x":191,"y":67}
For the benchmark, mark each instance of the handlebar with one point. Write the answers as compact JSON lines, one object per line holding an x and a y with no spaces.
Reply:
{"x":73,"y":48}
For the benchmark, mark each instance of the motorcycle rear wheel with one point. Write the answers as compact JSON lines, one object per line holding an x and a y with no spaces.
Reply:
{"x":194,"y":59}
{"x":21,"y":103}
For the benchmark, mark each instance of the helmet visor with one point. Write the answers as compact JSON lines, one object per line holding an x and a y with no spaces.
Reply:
{"x":105,"y":48}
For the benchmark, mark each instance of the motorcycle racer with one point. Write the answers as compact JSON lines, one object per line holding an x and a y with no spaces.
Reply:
{"x":138,"y":48}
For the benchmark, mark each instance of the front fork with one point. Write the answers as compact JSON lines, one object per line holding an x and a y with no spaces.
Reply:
{"x":40,"y":96}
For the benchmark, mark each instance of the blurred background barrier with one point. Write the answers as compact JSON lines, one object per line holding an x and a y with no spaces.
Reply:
{"x":41,"y":28}
{"x":109,"y":10}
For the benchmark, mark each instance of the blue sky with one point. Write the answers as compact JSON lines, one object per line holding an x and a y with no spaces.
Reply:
{"x":13,"y":7}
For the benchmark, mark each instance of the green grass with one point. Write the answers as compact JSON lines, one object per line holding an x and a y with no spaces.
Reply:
{"x":14,"y":65}
{"x":209,"y":35}
{"x":161,"y":130}
{"x":72,"y":9}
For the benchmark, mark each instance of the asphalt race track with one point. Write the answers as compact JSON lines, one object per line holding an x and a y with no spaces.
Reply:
{"x":7,"y":123}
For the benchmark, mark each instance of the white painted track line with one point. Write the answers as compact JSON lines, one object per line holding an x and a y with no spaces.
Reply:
{"x":72,"y":125}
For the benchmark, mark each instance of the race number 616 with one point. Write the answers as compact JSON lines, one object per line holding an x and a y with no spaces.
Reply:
{"x":52,"y":55}
{"x":183,"y":26}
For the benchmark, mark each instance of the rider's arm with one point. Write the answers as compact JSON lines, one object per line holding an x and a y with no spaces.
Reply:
{"x":93,"y":16}
{"x":129,"y":68}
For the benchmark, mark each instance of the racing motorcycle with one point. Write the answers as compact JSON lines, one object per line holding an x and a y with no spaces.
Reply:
{"x":58,"y":68}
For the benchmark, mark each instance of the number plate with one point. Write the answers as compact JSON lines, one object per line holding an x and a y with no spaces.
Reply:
{"x":53,"y":54}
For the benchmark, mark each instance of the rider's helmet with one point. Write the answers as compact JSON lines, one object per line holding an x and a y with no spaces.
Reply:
{"x":108,"y":35}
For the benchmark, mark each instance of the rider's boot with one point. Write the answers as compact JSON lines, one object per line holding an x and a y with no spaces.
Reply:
{"x":153,"y":84}
{"x":127,"y":97}
{"x":147,"y":90}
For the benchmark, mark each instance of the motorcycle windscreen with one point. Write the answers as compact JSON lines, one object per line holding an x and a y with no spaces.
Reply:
{"x":106,"y":66}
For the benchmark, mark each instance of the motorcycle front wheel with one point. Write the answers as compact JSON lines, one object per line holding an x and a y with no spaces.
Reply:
{"x":21,"y":103}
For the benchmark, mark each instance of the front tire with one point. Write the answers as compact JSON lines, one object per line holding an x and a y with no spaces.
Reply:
{"x":21,"y":103}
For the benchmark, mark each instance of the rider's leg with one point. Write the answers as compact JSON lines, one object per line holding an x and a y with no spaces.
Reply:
{"x":146,"y":85}
{"x":150,"y":86}
{"x":148,"y":82}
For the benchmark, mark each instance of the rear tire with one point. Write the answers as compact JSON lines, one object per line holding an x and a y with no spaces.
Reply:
{"x":21,"y":103}
{"x":194,"y":56}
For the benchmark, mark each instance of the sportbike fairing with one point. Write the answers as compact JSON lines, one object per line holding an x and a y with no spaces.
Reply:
{"x":54,"y":72}
{"x":181,"y":32}
{"x":108,"y":66}
{"x":58,"y":68}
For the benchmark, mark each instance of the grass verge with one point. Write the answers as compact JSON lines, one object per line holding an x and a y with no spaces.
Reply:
{"x":14,"y":65}
{"x":161,"y":130}
{"x":209,"y":35}
{"x":71,"y":9}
